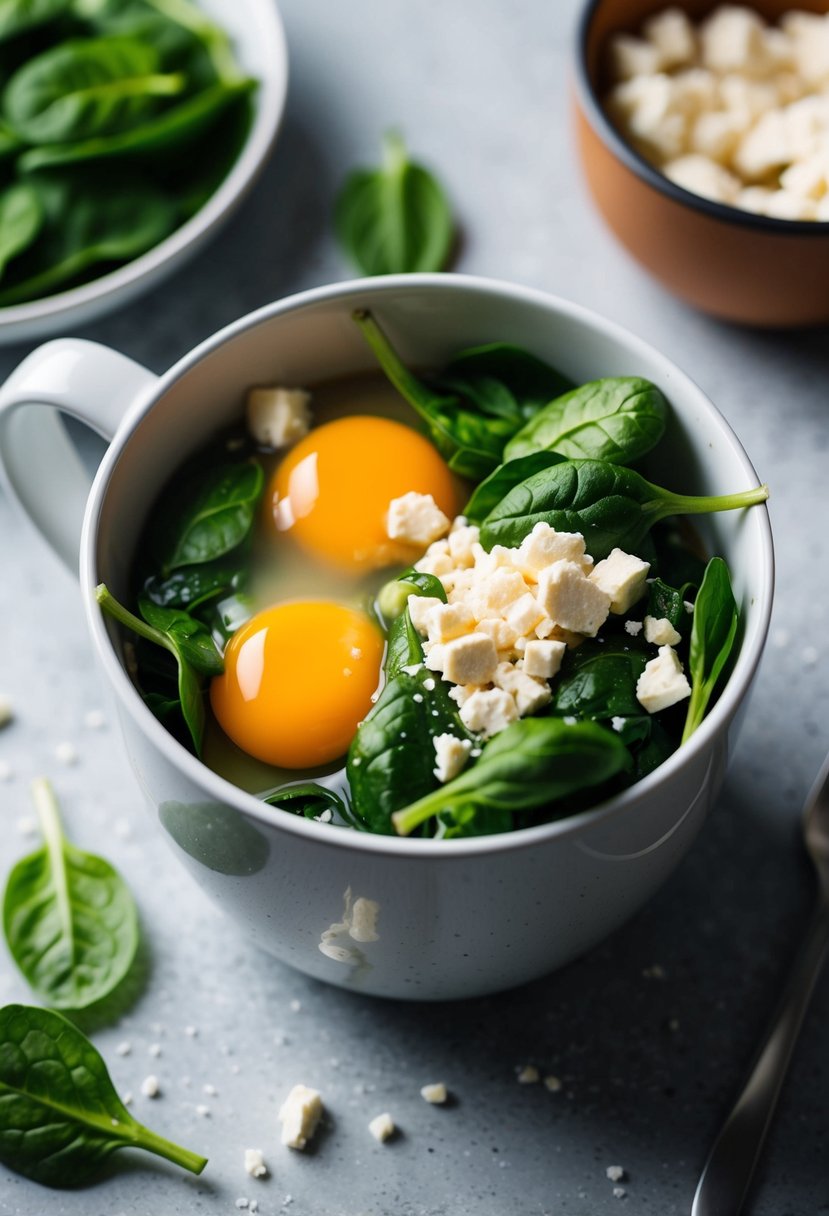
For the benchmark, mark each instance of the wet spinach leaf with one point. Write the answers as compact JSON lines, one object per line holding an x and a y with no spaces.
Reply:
{"x":190,"y":638}
{"x":192,"y":586}
{"x":713,"y":634}
{"x":503,"y":381}
{"x":60,"y":1117}
{"x":21,"y":218}
{"x":393,"y":595}
{"x":69,"y":918}
{"x":597,"y":680}
{"x":488,"y":493}
{"x":667,"y":603}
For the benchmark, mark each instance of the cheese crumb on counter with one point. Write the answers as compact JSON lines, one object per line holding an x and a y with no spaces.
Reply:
{"x":300,"y":1115}
{"x":255,"y":1163}
{"x":435,"y":1093}
{"x":416,"y":519}
{"x":382,"y":1127}
{"x":615,"y":1173}
{"x":278,"y":417}
{"x":150,"y":1087}
{"x":663,"y":682}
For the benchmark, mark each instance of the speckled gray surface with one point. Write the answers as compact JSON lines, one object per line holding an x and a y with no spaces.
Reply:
{"x":648,"y":1065}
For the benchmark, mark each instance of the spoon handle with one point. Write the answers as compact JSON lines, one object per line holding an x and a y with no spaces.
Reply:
{"x":730,"y":1166}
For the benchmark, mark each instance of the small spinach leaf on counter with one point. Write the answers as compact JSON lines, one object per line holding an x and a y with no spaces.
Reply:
{"x":713,"y":633}
{"x":617,"y":419}
{"x":69,"y":918}
{"x":307,"y":799}
{"x":611,"y":506}
{"x":190,"y":690}
{"x":207,"y":516}
{"x":488,"y":493}
{"x":503,"y":381}
{"x":191,"y":639}
{"x":532,"y":763}
{"x":395,"y":219}
{"x":60,"y":1116}
{"x":21,"y":218}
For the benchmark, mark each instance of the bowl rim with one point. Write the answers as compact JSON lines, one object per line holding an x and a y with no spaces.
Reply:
{"x":224,"y":791}
{"x":595,"y":114}
{"x":268,"y":100}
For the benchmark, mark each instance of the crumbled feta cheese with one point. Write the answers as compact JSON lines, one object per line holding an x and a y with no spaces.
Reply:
{"x":460,"y":542}
{"x":488,"y":711}
{"x":300,"y":1115}
{"x":543,"y":658}
{"x":572,"y":599}
{"x":451,"y":754}
{"x":150,"y":1087}
{"x":501,"y":632}
{"x":419,"y":607}
{"x":94,"y":719}
{"x":544,"y":545}
{"x":524,"y":614}
{"x":202,"y":1111}
{"x":434,"y":1093}
{"x":495,"y":593}
{"x":447,"y":621}
{"x":617,"y":722}
{"x":123,"y":1049}
{"x":672,"y":34}
{"x":731,"y":39}
{"x":382,"y":1127}
{"x":415,"y":519}
{"x":702,"y":175}
{"x":278,"y":417}
{"x":619,"y":1192}
{"x":633,"y":57}
{"x":255,"y":1163}
{"x":363,"y":925}
{"x":622,"y":577}
{"x":66,"y":753}
{"x":469,"y":660}
{"x":615,"y":1173}
{"x":634,"y":628}
{"x":553,"y":1084}
{"x":663,"y":682}
{"x":660,"y":632}
{"x":528,"y":1075}
{"x":530,"y":694}
{"x":6,"y":711}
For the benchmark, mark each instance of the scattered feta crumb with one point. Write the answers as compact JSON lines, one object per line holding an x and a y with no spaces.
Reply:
{"x":278,"y":417}
{"x":382,"y":1127}
{"x":210,"y":1090}
{"x":618,"y":723}
{"x":242,"y":1202}
{"x":622,"y":576}
{"x":255,"y":1163}
{"x":451,"y":755}
{"x":66,"y":753}
{"x":126,"y":1098}
{"x":528,"y":1075}
{"x":619,"y":1192}
{"x":6,"y":711}
{"x":300,"y":1115}
{"x":202,"y":1111}
{"x":94,"y":719}
{"x":415,"y":519}
{"x":663,"y":682}
{"x":553,"y":1084}
{"x":154,"y":1049}
{"x":253,"y":1206}
{"x":150,"y":1087}
{"x":634,"y":628}
{"x":190,"y":1031}
{"x":660,"y":632}
{"x":123,"y":1049}
{"x":434,"y":1093}
{"x":615,"y":1173}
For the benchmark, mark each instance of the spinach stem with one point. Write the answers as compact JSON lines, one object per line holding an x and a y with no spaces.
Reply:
{"x":46,"y":805}
{"x":414,"y":391}
{"x":412,"y":816}
{"x":665,"y":503}
{"x":124,"y":617}
{"x":153,"y":1143}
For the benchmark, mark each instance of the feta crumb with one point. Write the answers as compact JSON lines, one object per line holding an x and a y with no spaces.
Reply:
{"x":300,"y":1115}
{"x":382,"y":1127}
{"x":415,"y":519}
{"x":451,"y":754}
{"x":94,"y":720}
{"x":634,"y":628}
{"x":126,"y":1098}
{"x":528,"y":1075}
{"x":6,"y":771}
{"x":619,"y":1192}
{"x":255,"y":1163}
{"x":448,"y":621}
{"x":150,"y":1087}
{"x":488,"y":711}
{"x":553,"y":1083}
{"x":419,"y":607}
{"x":210,"y":1090}
{"x":572,"y":599}
{"x":6,"y":711}
{"x":660,"y":631}
{"x":543,"y":658}
{"x":663,"y":682}
{"x":123,"y":1049}
{"x":622,"y":577}
{"x":615,"y":1173}
{"x":618,"y":723}
{"x":435,"y":1093}
{"x":242,"y":1203}
{"x":65,"y":753}
{"x":469,"y":660}
{"x":278,"y":417}
{"x":202,"y":1111}
{"x":27,"y":825}
{"x":190,"y":1031}
{"x":154,"y":1049}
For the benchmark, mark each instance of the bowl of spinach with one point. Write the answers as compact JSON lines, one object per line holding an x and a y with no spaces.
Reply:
{"x":554,"y":839}
{"x":129,"y":130}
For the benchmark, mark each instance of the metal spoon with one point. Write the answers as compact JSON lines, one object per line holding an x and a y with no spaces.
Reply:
{"x":729,"y":1169}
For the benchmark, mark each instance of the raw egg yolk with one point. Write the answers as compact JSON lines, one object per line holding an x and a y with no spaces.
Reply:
{"x":298,"y":679}
{"x":332,"y":491}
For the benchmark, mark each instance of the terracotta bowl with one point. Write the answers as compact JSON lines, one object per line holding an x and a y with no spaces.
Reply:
{"x":732,"y":263}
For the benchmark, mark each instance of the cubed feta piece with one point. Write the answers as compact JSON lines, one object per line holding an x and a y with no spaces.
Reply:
{"x":543,"y":546}
{"x":524,"y":614}
{"x":461,"y":541}
{"x":733,"y":39}
{"x":434,"y":1093}
{"x":658,"y":123}
{"x":754,"y":198}
{"x":809,"y":40}
{"x":717,"y":133}
{"x":460,"y":693}
{"x":695,"y":90}
{"x":494,"y":593}
{"x":458,"y":584}
{"x":486,"y":563}
{"x":469,"y":660}
{"x":277,"y":417}
{"x":419,"y":608}
{"x":502,"y":633}
{"x":382,"y":1127}
{"x":300,"y":1115}
{"x":447,"y":621}
{"x":415,"y":519}
{"x":660,"y":632}
{"x":488,"y":711}
{"x":433,"y":656}
{"x":542,"y":659}
{"x":663,"y":682}
{"x":764,"y":148}
{"x":807,"y":178}
{"x":807,"y":126}
{"x":672,"y":33}
{"x":622,"y":576}
{"x":747,"y":99}
{"x":631,"y":56}
{"x":703,"y":176}
{"x":439,"y":564}
{"x":572,"y":599}
{"x":783,"y":205}
{"x":451,"y":754}
{"x":530,"y":695}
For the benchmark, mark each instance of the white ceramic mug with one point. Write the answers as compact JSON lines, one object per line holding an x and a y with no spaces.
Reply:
{"x":403,"y":918}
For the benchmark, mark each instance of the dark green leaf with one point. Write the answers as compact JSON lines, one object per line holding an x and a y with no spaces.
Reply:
{"x":503,"y":380}
{"x":394,"y":595}
{"x":308,"y":799}
{"x":713,"y":633}
{"x":598,"y":679}
{"x":207,"y":516}
{"x":16,"y":16}
{"x":60,"y":1117}
{"x":667,"y":603}
{"x":533,"y":763}
{"x":492,"y":489}
{"x":191,"y":638}
{"x":617,"y":419}
{"x":69,"y":918}
{"x":191,"y":586}
{"x":395,"y":219}
{"x":21,"y":216}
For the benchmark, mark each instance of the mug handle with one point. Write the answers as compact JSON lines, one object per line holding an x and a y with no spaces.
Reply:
{"x":39,"y":466}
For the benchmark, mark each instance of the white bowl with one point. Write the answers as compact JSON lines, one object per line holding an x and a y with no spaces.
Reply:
{"x":255,"y":28}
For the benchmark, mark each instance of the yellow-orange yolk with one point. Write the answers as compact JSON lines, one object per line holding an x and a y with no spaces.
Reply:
{"x":298,"y":679}
{"x":332,"y":491}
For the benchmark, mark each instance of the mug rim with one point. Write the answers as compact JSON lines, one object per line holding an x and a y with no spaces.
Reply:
{"x":224,"y":791}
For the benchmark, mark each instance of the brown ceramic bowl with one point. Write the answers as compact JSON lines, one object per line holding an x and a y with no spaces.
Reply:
{"x":732,"y":263}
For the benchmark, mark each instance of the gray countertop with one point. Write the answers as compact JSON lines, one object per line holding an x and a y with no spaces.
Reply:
{"x":651,"y":1033}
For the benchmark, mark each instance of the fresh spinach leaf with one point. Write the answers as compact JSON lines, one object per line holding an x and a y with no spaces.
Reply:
{"x":617,"y":419}
{"x":21,"y":217}
{"x":307,"y":799}
{"x":60,"y":1117}
{"x":86,"y":88}
{"x":395,"y":219}
{"x":597,"y":680}
{"x":214,"y":38}
{"x":207,"y":516}
{"x":393,"y":595}
{"x":69,"y":918}
{"x":192,"y":586}
{"x":503,"y":381}
{"x":667,"y":603}
{"x":17,"y":16}
{"x":488,"y":493}
{"x":713,"y":633}
{"x":190,"y":691}
{"x":532,"y":763}
{"x":610,"y":505}
{"x":190,"y":637}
